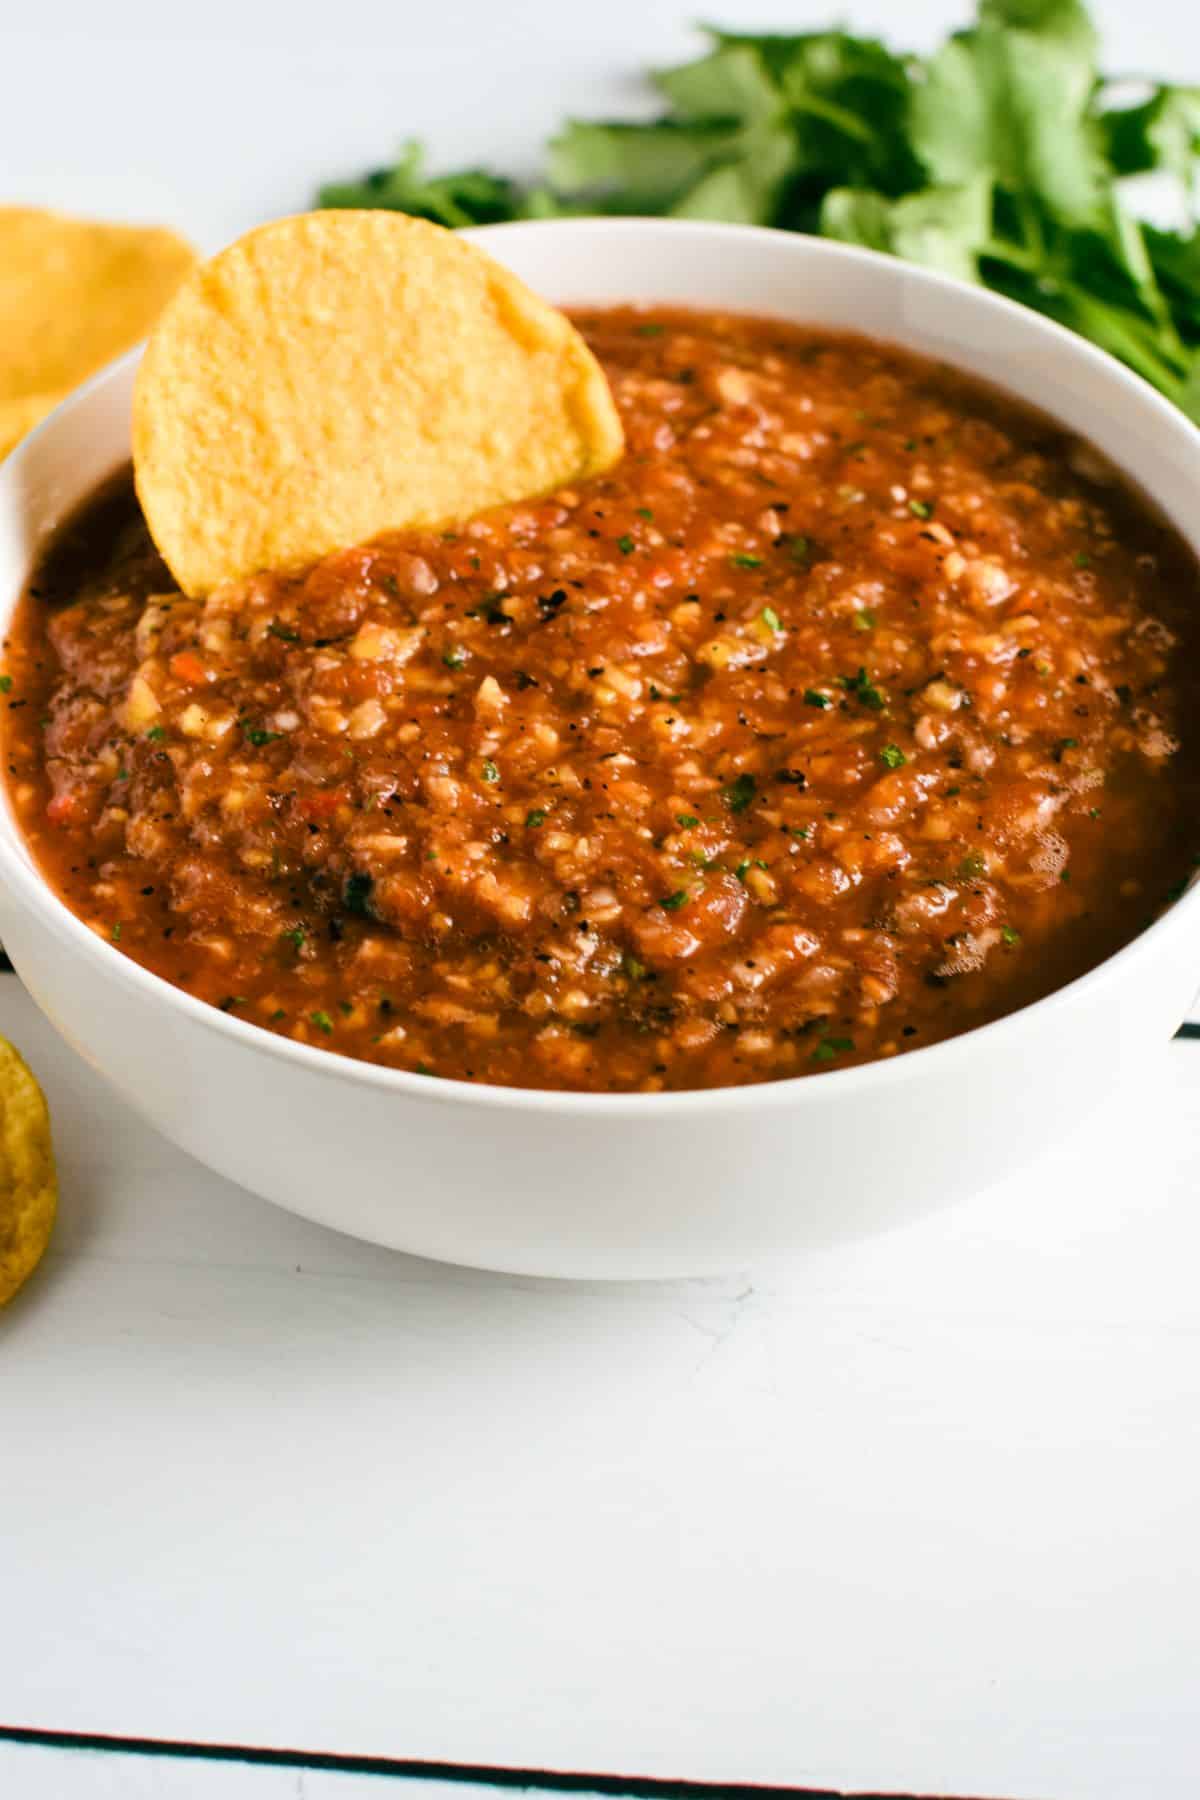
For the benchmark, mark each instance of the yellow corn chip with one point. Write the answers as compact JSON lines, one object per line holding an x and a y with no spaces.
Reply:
{"x":74,"y":293}
{"x":340,"y":374}
{"x":28,"y":1186}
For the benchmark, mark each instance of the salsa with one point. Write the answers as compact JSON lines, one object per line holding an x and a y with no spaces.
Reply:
{"x":855,"y":707}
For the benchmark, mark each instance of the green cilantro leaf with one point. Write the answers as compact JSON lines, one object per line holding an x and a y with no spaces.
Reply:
{"x":738,"y":795}
{"x":864,"y":690}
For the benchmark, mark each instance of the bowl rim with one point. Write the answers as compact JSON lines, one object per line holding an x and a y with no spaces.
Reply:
{"x":18,"y":869}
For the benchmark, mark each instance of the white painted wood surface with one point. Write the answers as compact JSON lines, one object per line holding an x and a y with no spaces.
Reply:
{"x":27,"y":1773}
{"x":919,"y":1515}
{"x":915,"y":1516}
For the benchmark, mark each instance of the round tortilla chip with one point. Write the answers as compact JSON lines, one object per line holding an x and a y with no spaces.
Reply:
{"x":74,"y":293}
{"x":340,"y":374}
{"x":28,"y":1185}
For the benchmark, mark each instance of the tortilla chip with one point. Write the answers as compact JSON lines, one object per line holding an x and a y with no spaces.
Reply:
{"x":340,"y":374}
{"x":73,"y":294}
{"x":28,"y":1185}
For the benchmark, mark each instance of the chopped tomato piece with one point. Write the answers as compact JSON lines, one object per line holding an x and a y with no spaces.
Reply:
{"x":322,"y":803}
{"x":186,"y":666}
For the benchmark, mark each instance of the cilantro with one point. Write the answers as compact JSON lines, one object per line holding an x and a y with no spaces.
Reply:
{"x":472,"y":197}
{"x":892,"y":757}
{"x":741,"y":561}
{"x":865,"y":620}
{"x":635,"y":970}
{"x":489,"y":771}
{"x":920,"y":509}
{"x":814,"y":697}
{"x":672,"y":902}
{"x":830,"y":1047}
{"x":997,"y":158}
{"x":973,"y":864}
{"x":626,"y":545}
{"x":116,"y":932}
{"x":643,"y":512}
{"x":322,"y":1021}
{"x":285,"y":632}
{"x":770,"y":618}
{"x":799,"y":548}
{"x":258,"y":737}
{"x":1082,"y":560}
{"x":277,"y":1015}
{"x":5,"y":684}
{"x":156,"y":734}
{"x":864,"y":690}
{"x":1009,"y":935}
{"x":687,"y":820}
{"x":297,"y":937}
{"x":738,"y":795}
{"x":356,"y":893}
{"x":491,"y":608}
{"x":535,"y":818}
{"x":454,"y":656}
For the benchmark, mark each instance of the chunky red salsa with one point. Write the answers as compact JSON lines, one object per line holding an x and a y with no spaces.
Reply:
{"x":855,"y":707}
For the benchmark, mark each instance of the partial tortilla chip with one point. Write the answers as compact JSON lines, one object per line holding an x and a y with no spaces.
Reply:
{"x":28,"y":1184}
{"x":340,"y":374}
{"x":74,"y":293}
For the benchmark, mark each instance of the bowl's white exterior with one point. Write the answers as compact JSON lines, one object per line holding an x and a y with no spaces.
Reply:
{"x":596,"y":1185}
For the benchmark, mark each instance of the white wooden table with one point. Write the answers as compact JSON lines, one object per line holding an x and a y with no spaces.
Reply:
{"x":916,"y":1516}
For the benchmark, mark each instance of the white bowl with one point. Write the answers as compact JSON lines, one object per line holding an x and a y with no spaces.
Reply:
{"x":632,"y":1185}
